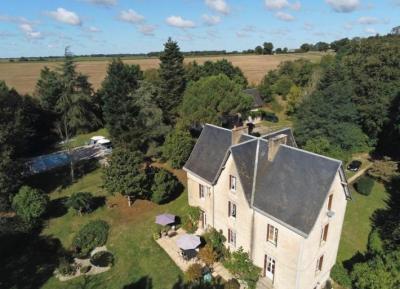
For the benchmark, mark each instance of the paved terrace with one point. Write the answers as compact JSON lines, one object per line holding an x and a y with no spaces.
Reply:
{"x":169,"y":246}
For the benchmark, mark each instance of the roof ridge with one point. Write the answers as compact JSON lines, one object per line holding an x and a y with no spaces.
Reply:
{"x":242,"y":143}
{"x":311,"y":153}
{"x":275,"y":131}
{"x":219,"y":127}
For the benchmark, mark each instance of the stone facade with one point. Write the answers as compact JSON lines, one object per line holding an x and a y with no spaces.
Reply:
{"x":291,"y":262}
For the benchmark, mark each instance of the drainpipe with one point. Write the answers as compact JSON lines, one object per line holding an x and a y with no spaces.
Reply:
{"x":299,"y":264}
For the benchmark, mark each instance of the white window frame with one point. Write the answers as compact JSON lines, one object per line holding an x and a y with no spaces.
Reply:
{"x":232,"y":183}
{"x":201,"y":191}
{"x":232,"y":210}
{"x":232,"y":237}
{"x":272,"y":238}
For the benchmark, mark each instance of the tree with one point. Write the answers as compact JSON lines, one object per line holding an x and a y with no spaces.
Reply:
{"x":379,"y":272}
{"x":173,"y":82}
{"x":240,"y":265}
{"x":212,"y":99}
{"x":330,"y":114}
{"x":68,"y":95}
{"x":282,"y":86}
{"x":93,"y":234}
{"x":258,"y":50}
{"x":266,"y":85}
{"x":177,"y":147}
{"x":165,"y":186}
{"x":208,"y":255}
{"x":30,"y":204}
{"x":305,"y":47}
{"x":384,"y":170}
{"x":121,"y":81}
{"x":10,"y":177}
{"x":321,"y":46}
{"x":268,"y":47}
{"x":126,"y":174}
{"x":81,"y":202}
{"x":294,"y":98}
{"x":194,"y":71}
{"x":338,"y":44}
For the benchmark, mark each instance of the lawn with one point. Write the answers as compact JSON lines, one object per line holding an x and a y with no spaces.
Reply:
{"x":138,"y":257}
{"x":357,"y":223}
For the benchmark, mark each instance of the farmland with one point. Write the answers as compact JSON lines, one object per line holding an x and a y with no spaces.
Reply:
{"x":23,"y":75}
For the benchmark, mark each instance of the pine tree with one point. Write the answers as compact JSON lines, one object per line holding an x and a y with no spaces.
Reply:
{"x":173,"y":82}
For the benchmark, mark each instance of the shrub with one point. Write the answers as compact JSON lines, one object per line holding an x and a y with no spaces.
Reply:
{"x":232,"y":284}
{"x":216,"y":239}
{"x":241,"y":266}
{"x":194,"y":272}
{"x":208,"y":255}
{"x":165,"y":185}
{"x":340,"y":275}
{"x":102,"y":259}
{"x":85,"y":269}
{"x":364,"y":185}
{"x":177,"y":147}
{"x":191,"y":220}
{"x":92,"y":235}
{"x":375,"y":245}
{"x":80,"y":201}
{"x":65,"y":267}
{"x":30,"y":204}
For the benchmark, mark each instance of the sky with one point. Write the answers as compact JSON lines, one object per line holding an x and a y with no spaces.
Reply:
{"x":46,"y":27}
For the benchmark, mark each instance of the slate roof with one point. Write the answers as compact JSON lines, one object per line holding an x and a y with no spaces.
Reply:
{"x":209,"y":152}
{"x":255,"y":94}
{"x":292,"y":188}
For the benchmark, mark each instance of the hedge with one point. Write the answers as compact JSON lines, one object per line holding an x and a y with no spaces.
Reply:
{"x":92,"y":235}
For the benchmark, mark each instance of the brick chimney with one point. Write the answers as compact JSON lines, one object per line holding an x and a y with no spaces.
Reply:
{"x":237,"y":132}
{"x":273,"y":145}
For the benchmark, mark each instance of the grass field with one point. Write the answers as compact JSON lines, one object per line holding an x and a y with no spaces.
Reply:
{"x":138,"y":257}
{"x":23,"y":76}
{"x":357,"y":223}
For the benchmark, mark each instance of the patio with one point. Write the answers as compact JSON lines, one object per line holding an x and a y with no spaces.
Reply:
{"x":169,"y":244}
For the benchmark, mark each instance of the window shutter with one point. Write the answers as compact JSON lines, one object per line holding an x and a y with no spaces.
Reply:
{"x":276,"y":236}
{"x":230,"y":181}
{"x":268,"y":232}
{"x":321,"y":260}
{"x":330,"y":202}
{"x":229,"y":208}
{"x":229,"y":235}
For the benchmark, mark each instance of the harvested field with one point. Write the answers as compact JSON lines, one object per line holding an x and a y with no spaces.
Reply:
{"x":23,"y":76}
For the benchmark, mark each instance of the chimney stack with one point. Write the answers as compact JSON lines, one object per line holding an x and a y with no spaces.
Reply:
{"x":237,"y":132}
{"x":273,"y":145}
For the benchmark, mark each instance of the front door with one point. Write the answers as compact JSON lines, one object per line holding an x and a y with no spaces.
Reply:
{"x":269,"y":267}
{"x":203,"y":219}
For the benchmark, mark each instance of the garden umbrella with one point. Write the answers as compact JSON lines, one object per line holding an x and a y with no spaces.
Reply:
{"x":165,"y":219}
{"x":188,"y":241}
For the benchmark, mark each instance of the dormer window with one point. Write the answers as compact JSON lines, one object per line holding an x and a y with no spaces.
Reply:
{"x":232,"y":183}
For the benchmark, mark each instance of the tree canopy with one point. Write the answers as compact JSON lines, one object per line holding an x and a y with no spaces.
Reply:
{"x":172,"y":80}
{"x":30,"y":204}
{"x":177,"y":147}
{"x":213,"y":98}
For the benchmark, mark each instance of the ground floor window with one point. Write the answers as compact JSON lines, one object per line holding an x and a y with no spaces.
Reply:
{"x":232,"y":237}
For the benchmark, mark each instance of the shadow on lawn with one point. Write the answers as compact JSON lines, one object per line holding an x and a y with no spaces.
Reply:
{"x":28,"y":259}
{"x":143,"y":283}
{"x":60,"y":178}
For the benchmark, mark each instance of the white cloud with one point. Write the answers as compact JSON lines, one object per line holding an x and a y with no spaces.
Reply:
{"x":178,"y":21}
{"x":242,"y":34}
{"x":211,"y":20}
{"x":281,"y":4}
{"x":276,"y":4}
{"x":219,"y":6}
{"x":131,"y":16}
{"x":65,"y":16}
{"x":147,"y":30}
{"x":284,"y":16}
{"x":29,"y":31}
{"x":94,"y":29}
{"x":343,"y":6}
{"x":370,"y":31}
{"x":103,"y":2}
{"x":308,"y":26}
{"x":367,"y":20}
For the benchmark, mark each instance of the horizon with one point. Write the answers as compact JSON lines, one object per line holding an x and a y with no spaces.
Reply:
{"x":45,"y":28}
